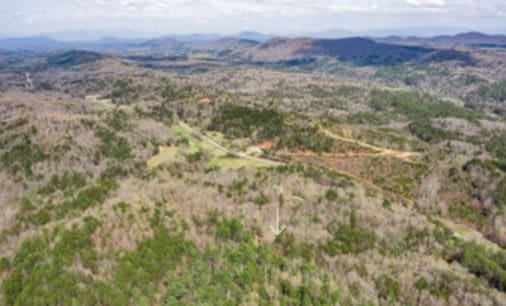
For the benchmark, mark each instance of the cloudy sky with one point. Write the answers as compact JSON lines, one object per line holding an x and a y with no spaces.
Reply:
{"x":231,"y":16}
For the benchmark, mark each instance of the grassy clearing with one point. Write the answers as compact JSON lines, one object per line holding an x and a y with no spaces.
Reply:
{"x":193,"y":145}
{"x":165,"y":155}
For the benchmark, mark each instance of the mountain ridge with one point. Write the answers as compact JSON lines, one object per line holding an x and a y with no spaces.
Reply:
{"x":470,"y":39}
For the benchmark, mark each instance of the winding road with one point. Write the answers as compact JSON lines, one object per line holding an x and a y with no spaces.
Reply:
{"x":402,"y":155}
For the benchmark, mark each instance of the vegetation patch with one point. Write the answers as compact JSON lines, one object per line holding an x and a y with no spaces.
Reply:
{"x":239,"y":121}
{"x":483,"y":263}
{"x":349,"y":238}
{"x":267,"y":124}
{"x":113,"y":146}
{"x":22,"y":156}
{"x":306,"y":138}
{"x":416,"y":106}
{"x":424,"y":130}
{"x":496,"y":91}
{"x":74,"y":58}
{"x":46,"y":259}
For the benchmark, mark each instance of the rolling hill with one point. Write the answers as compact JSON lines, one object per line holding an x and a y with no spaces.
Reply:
{"x":74,"y":58}
{"x":470,"y":39}
{"x":359,"y":50}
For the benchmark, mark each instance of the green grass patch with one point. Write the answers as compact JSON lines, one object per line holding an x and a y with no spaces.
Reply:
{"x":165,"y":155}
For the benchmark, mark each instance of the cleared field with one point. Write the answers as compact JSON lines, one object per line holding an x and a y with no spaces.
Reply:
{"x":193,"y":142}
{"x":165,"y":155}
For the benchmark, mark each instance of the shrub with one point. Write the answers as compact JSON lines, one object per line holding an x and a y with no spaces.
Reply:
{"x":331,"y":194}
{"x":41,"y":217}
{"x":426,"y":132}
{"x":464,"y":211}
{"x":23,"y":156}
{"x":114,"y":171}
{"x":195,"y":157}
{"x":495,"y":91}
{"x":440,"y":287}
{"x":481,"y":262}
{"x":112,"y":145}
{"x":94,"y":194}
{"x":5,"y":264}
{"x":388,"y":288}
{"x":497,"y":146}
{"x":350,"y":239}
{"x":231,"y":229}
{"x":500,"y":195}
{"x":374,"y":118}
{"x":19,"y":122}
{"x":85,"y":198}
{"x":118,"y":120}
{"x":65,"y":183}
{"x":261,"y":199}
{"x":291,"y":247}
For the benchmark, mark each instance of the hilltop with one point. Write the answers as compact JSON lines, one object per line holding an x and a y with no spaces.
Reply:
{"x":470,"y":39}
{"x":74,"y":58}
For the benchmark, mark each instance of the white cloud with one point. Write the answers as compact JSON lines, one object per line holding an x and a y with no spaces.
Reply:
{"x":426,"y":2}
{"x":354,"y":8}
{"x":231,"y":14}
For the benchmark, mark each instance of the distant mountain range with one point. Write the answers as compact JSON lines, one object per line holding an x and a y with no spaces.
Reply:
{"x":43,"y":44}
{"x":252,"y":46}
{"x":361,"y":50}
{"x":38,"y":43}
{"x":94,"y":35}
{"x":287,"y":51}
{"x":412,"y":31}
{"x":94,"y":41}
{"x":31,"y":43}
{"x":470,"y":39}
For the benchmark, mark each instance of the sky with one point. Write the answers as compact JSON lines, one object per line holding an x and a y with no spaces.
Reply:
{"x":232,"y":16}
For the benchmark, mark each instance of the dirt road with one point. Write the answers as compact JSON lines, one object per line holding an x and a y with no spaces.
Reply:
{"x":379,"y":151}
